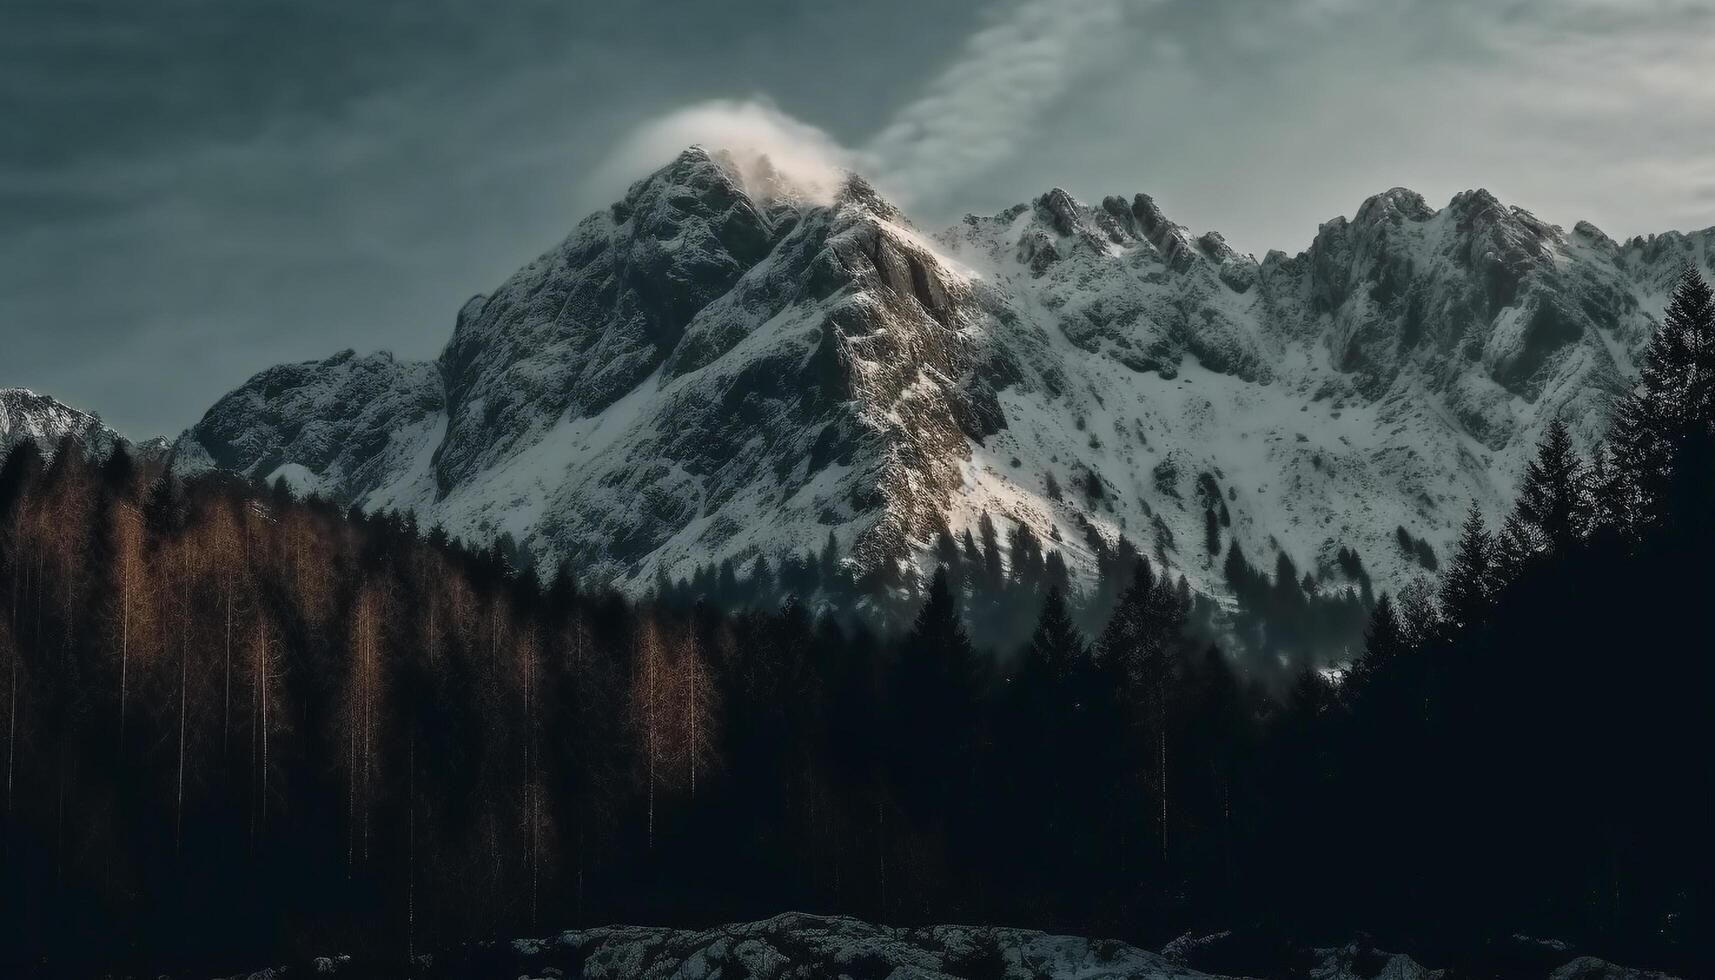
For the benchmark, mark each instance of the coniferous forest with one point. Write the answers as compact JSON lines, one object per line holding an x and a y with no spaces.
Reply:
{"x":240,"y":725}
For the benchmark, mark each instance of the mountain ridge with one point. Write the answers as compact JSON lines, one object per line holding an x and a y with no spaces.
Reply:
{"x":48,"y":422}
{"x":709,"y":370}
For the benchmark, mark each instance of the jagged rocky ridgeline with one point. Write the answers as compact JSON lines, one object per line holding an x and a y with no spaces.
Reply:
{"x":48,"y":423}
{"x":721,"y":367}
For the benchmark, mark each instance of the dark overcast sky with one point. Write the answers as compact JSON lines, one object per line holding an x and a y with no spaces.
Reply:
{"x":191,"y":191}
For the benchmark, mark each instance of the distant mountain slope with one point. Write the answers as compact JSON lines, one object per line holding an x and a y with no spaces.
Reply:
{"x":24,"y":414}
{"x":718,"y":367}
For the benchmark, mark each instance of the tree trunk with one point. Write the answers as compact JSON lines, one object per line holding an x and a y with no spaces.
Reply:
{"x":184,"y":683}
{"x":695,"y":709}
{"x":1162,"y":738}
{"x":263,"y":800}
{"x":12,"y":730}
{"x":124,"y":646}
{"x":411,"y":845}
{"x":226,"y":704}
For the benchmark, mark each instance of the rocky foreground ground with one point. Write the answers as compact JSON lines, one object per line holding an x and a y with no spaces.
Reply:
{"x":794,"y":946}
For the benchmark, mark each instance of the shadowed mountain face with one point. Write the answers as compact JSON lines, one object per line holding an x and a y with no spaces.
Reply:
{"x":721,"y":367}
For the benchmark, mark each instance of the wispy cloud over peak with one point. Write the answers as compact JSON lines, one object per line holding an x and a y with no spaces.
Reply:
{"x":970,"y":118}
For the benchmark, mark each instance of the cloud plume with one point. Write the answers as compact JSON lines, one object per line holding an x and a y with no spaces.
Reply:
{"x":970,"y":118}
{"x":975,"y":113}
{"x":749,"y":129}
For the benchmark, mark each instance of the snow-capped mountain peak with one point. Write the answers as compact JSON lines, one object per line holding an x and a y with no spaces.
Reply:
{"x":724,"y":365}
{"x":47,"y":421}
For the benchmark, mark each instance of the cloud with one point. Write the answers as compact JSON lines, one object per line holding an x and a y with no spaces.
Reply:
{"x":189,"y":207}
{"x":968,"y":120}
{"x":149,"y":285}
{"x":749,"y":129}
{"x":976,"y":113}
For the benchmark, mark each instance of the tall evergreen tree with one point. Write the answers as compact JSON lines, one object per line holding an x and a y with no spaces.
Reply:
{"x":1385,"y":641}
{"x":1056,"y":644}
{"x":1675,"y":394}
{"x":937,"y":687}
{"x":1611,"y":500}
{"x":1553,"y":508}
{"x":991,"y":566}
{"x":1470,"y":582}
{"x":1126,"y":628}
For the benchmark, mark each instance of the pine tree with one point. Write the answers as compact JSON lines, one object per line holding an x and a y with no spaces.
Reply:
{"x":1470,"y":583}
{"x":761,"y":583}
{"x":1384,"y":642}
{"x":991,"y":554}
{"x":1125,"y":630}
{"x":726,"y":585}
{"x":1553,"y":508}
{"x":1241,"y":578}
{"x":947,"y":552}
{"x":1055,"y":575}
{"x":1688,"y":349}
{"x":1674,"y":397}
{"x":937,"y":686}
{"x":1611,"y":499}
{"x":1025,"y":550}
{"x":830,"y":559}
{"x":1056,"y":643}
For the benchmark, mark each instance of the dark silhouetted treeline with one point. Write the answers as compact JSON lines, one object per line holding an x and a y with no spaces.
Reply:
{"x":1276,"y":626}
{"x":240,"y":726}
{"x":1531,"y":749}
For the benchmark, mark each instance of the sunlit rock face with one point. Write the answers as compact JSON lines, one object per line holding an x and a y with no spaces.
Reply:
{"x":721,"y":367}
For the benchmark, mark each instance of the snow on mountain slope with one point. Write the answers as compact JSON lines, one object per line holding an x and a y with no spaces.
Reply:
{"x":691,"y":374}
{"x":351,"y":428}
{"x":718,"y":367}
{"x":24,"y":414}
{"x":1404,"y":365}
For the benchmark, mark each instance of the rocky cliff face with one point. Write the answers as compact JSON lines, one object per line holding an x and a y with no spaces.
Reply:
{"x":24,"y":414}
{"x":720,"y":367}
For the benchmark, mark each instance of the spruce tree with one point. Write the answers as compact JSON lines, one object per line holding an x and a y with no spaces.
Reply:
{"x":1470,"y":582}
{"x":936,"y":694}
{"x":1384,"y":642}
{"x":1611,"y":499}
{"x":1674,"y":397}
{"x":1055,"y":574}
{"x":1056,"y":645}
{"x":947,"y":552}
{"x":1553,"y":510}
{"x":991,"y":554}
{"x":830,"y":560}
{"x":761,"y":583}
{"x":726,"y":585}
{"x":1241,"y":577}
{"x":1124,"y":633}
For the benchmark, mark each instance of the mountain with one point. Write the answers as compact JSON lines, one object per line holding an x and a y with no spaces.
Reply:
{"x":25,"y":414}
{"x":722,"y":366}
